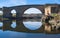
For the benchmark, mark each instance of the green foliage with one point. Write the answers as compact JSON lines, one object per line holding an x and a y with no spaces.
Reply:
{"x":5,"y":19}
{"x":54,"y":14}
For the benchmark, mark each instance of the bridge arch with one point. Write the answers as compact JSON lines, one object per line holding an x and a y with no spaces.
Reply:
{"x":13,"y":12}
{"x":32,"y":11}
{"x":1,"y":12}
{"x":20,"y":10}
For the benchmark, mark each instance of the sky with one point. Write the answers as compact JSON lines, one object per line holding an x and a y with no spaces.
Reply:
{"x":9,"y":3}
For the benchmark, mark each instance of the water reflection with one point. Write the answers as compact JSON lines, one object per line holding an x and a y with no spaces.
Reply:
{"x":26,"y":26}
{"x":1,"y":24}
{"x":18,"y":29}
{"x":32,"y":25}
{"x":13,"y":25}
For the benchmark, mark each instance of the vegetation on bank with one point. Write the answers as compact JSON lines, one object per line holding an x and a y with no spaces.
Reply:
{"x":53,"y":21}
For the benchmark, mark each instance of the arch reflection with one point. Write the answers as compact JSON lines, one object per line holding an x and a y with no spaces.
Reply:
{"x":20,"y":27}
{"x":32,"y":25}
{"x":13,"y":25}
{"x":1,"y":24}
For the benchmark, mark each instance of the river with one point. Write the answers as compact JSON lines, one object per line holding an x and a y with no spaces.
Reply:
{"x":7,"y":29}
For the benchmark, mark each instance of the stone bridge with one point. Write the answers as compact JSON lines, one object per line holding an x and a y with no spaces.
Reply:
{"x":47,"y":8}
{"x":20,"y":10}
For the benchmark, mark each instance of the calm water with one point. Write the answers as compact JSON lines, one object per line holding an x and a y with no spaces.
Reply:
{"x":7,"y":29}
